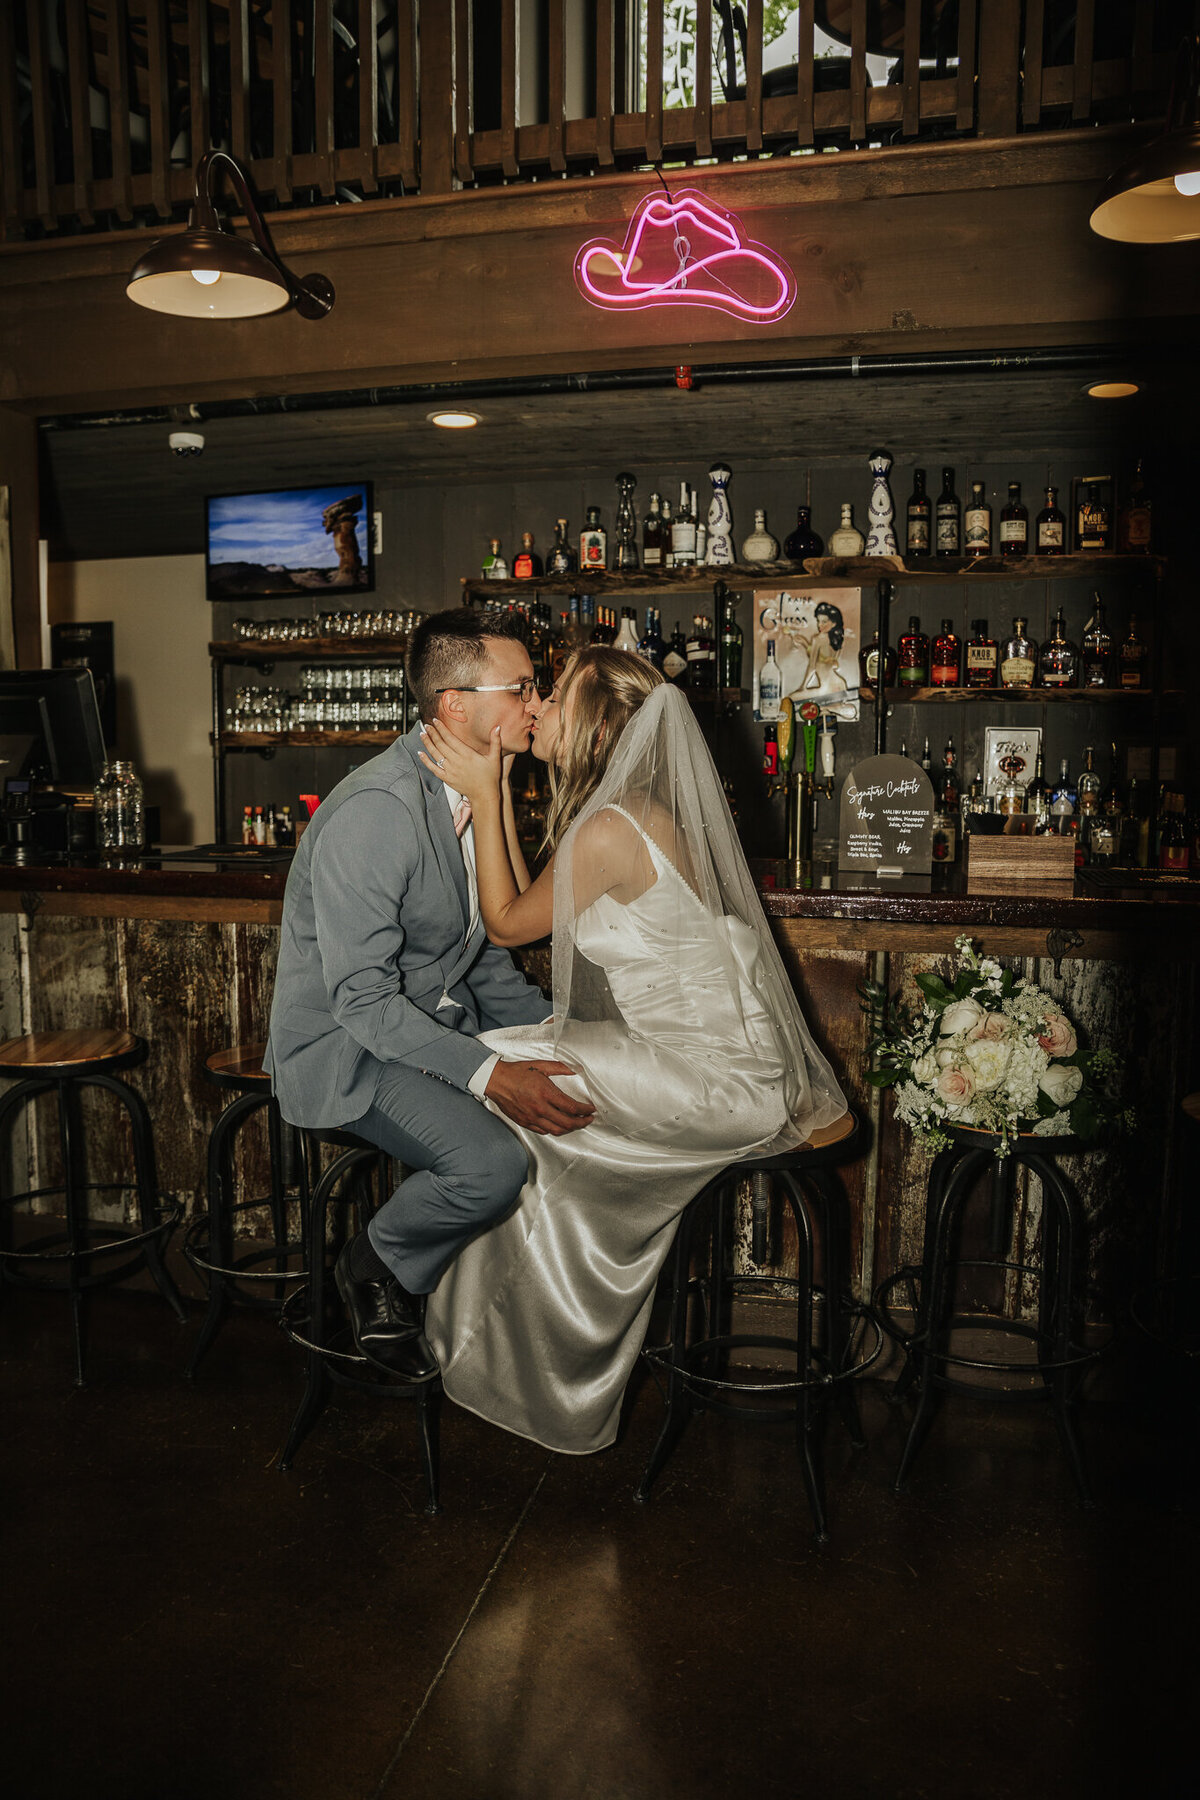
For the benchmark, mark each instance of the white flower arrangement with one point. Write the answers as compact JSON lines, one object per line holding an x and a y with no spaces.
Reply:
{"x":991,"y":1051}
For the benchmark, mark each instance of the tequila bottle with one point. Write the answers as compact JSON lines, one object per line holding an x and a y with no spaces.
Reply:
{"x":1097,"y":649}
{"x":977,"y":523}
{"x":495,"y":568}
{"x":593,"y":543}
{"x":1058,"y":659}
{"x":562,"y":559}
{"x":652,"y":535}
{"x":625,"y":553}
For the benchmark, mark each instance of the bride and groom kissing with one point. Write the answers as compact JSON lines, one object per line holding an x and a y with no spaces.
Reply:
{"x":547,"y":1149}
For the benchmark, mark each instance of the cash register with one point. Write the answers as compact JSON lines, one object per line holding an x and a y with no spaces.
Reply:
{"x":51,"y":757}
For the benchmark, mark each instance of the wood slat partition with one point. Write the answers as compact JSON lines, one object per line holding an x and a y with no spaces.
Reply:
{"x":81,"y":125}
{"x":199,"y":122}
{"x":158,"y":102}
{"x":281,"y":103}
{"x":999,"y":67}
{"x":1142,"y":71}
{"x":1085,"y":39}
{"x":406,"y":90}
{"x":858,"y":71}
{"x":368,"y":89}
{"x":964,"y":112}
{"x":1035,"y":29}
{"x":754,"y":95}
{"x":239,"y":79}
{"x":654,"y":80}
{"x":119,"y":101}
{"x":322,"y":61}
{"x":10,"y":139}
{"x":510,"y":86}
{"x":464,"y":86}
{"x":804,"y":72}
{"x":435,"y":95}
{"x":605,"y":27}
{"x":43,"y":143}
{"x":911,"y":123}
{"x":703,"y":95}
{"x":556,"y":52}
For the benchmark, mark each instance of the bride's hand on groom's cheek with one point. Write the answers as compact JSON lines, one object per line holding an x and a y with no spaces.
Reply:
{"x":460,"y":767}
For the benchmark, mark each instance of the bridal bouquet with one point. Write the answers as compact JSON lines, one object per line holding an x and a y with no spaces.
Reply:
{"x":991,"y":1051}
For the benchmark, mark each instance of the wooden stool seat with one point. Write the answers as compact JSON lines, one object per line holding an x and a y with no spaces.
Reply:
{"x":240,"y":1066}
{"x":1190,"y":1104}
{"x":44,"y":1052}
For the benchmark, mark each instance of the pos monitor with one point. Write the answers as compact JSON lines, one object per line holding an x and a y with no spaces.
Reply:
{"x":50,"y":727}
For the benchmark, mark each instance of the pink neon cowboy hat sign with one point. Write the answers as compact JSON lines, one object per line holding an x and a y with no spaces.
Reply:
{"x":684,"y":250}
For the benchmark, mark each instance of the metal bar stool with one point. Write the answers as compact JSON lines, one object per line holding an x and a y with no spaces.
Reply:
{"x":1059,"y":1357}
{"x":358,"y":1176}
{"x":64,"y":1063}
{"x":209,"y":1241}
{"x":695,"y":1368}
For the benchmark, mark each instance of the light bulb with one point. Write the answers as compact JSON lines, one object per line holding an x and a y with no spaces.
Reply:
{"x":206,"y":276}
{"x":1188,"y":182}
{"x":453,"y":420}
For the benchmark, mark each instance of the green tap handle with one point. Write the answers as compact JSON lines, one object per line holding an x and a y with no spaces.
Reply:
{"x":810,"y":745}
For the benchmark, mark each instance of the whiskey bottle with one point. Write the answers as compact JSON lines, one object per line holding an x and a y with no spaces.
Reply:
{"x":1018,"y":660}
{"x":587,"y":619}
{"x":1062,"y":801}
{"x":702,"y":654}
{"x":562,"y":559}
{"x":1089,"y":785}
{"x":948,"y":780}
{"x":1058,"y":659}
{"x":927,"y":761}
{"x":683,"y":531}
{"x":977,"y":523}
{"x":1133,"y":658}
{"x":804,"y":541}
{"x":917,"y":533}
{"x":730,"y":652}
{"x":770,"y":685}
{"x":948,"y":518}
{"x":650,"y":645}
{"x":593,"y":543}
{"x":947,"y":655}
{"x":652,"y":535}
{"x":668,"y":526}
{"x":1050,"y":528}
{"x":1097,"y":649}
{"x":1173,"y":851}
{"x":1093,"y":519}
{"x":868,"y":664}
{"x":1037,"y":796}
{"x":982,"y":659}
{"x":527,"y":564}
{"x":1014,"y":524}
{"x":494,"y":566}
{"x":675,"y":666}
{"x":914,"y":656}
{"x":1135,"y":519}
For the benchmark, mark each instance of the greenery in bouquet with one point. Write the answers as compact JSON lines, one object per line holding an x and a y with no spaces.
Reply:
{"x":993,"y":1051}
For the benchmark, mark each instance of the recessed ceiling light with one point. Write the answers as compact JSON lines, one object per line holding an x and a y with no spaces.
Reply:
{"x":1112,"y":390}
{"x":453,"y":418}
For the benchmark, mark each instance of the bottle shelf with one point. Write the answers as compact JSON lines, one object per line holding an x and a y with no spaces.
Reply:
{"x":311,"y":740}
{"x":246,"y":650}
{"x":1003,"y":696}
{"x":835,"y":571}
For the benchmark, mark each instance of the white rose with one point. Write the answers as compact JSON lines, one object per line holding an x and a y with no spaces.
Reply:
{"x":960,"y":1015}
{"x":1061,"y":1084}
{"x":925,"y":1069}
{"x":988,"y":1061}
{"x":947,"y":1058}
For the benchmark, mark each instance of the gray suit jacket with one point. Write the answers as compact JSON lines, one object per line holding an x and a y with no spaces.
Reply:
{"x":374,"y":932}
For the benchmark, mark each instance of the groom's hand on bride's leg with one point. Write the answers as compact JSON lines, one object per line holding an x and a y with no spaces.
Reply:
{"x":525,"y":1093}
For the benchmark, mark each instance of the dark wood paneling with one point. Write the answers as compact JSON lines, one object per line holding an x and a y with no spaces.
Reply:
{"x":81,"y":126}
{"x":437,"y":99}
{"x":158,"y":105}
{"x":322,"y":17}
{"x":43,"y":137}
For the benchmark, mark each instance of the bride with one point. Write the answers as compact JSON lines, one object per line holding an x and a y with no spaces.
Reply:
{"x":671,"y":1003}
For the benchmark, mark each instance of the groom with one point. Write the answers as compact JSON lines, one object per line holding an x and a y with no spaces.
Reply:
{"x":385,"y":976}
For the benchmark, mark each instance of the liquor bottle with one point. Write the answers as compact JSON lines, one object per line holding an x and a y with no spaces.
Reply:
{"x":587,"y":619}
{"x":562,"y":559}
{"x":770,"y":750}
{"x":650,"y":645}
{"x":977,"y":523}
{"x":1058,"y":659}
{"x":702,"y":654}
{"x":668,"y":527}
{"x":927,"y":760}
{"x":652,"y":535}
{"x":948,"y":518}
{"x":1050,"y":528}
{"x":527,"y":564}
{"x":675,"y":666}
{"x":948,"y":780}
{"x":918,"y":524}
{"x":270,"y":838}
{"x":536,"y":644}
{"x":1010,"y":801}
{"x":731,"y":652}
{"x":1062,"y":801}
{"x":982,"y":658}
{"x":847,"y":540}
{"x":1173,"y":847}
{"x":625,"y":549}
{"x":593,"y":542}
{"x":247,"y":824}
{"x":761,"y":546}
{"x":868,"y":664}
{"x":1037,"y":796}
{"x":683,"y":531}
{"x":944,"y":843}
{"x":701,"y":542}
{"x":627,"y":637}
{"x":1089,"y":786}
{"x":1135,"y":519}
{"x":947,"y":654}
{"x":260,"y":826}
{"x":914,"y":656}
{"x":1018,"y":659}
{"x":494,"y":566}
{"x":804,"y":541}
{"x":1097,"y":648}
{"x":1093,"y":519}
{"x":770,"y":685}
{"x":285,"y":829}
{"x":1014,"y":524}
{"x":1133,"y":658}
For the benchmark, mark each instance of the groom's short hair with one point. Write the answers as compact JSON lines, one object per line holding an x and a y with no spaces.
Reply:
{"x":449,"y":649}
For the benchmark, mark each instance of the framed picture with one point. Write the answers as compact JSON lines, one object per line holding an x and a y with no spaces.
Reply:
{"x":289,"y":541}
{"x":1009,"y":750}
{"x":817,"y":633}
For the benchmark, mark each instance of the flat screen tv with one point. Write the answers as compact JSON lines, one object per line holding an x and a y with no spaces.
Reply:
{"x":291,"y":541}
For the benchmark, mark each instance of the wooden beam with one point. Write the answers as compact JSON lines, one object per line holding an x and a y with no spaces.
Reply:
{"x":754,"y":94}
{"x":858,"y":71}
{"x":1035,"y":31}
{"x":999,"y":67}
{"x":81,"y":122}
{"x":464,"y":88}
{"x":368,"y":86}
{"x":805,"y":52}
{"x":406,"y":95}
{"x":1085,"y":41}
{"x":11,"y":180}
{"x":43,"y":139}
{"x":653,"y":133}
{"x":510,"y":86}
{"x":239,"y":80}
{"x":198,"y":78}
{"x":912,"y":68}
{"x":965,"y":111}
{"x":702,"y":107}
{"x":436,"y":99}
{"x":556,"y":54}
{"x":280,"y":183}
{"x":604,"y":83}
{"x":1142,"y":74}
{"x":323,"y":99}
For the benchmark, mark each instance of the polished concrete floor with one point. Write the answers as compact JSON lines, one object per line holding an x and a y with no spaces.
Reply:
{"x":182,"y":1620}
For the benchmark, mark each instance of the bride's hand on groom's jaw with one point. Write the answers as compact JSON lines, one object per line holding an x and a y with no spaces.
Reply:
{"x":465,"y":770}
{"x":525,"y":1093}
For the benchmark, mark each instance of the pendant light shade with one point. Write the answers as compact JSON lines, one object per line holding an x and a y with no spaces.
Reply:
{"x":1154,"y":198}
{"x":206,"y":272}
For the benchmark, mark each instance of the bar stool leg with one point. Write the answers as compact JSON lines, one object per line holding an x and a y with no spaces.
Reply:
{"x":943,"y":1163}
{"x":429,"y":1419}
{"x":75,"y":1207}
{"x":220,"y":1201}
{"x":12,"y":1104}
{"x":805,"y":1402}
{"x":146,"y":1178}
{"x":317,"y":1383}
{"x":679,"y":1398}
{"x":1057,"y":1204}
{"x":827,"y":1189}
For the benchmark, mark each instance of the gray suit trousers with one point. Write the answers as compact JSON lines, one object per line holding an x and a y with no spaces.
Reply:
{"x":468,"y":1169}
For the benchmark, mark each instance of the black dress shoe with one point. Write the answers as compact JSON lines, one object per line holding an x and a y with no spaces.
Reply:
{"x":386,"y":1322}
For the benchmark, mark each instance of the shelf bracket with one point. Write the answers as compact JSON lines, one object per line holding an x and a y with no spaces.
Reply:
{"x":1058,"y":942}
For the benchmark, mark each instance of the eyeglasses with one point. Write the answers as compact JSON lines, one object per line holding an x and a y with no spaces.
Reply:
{"x":526,"y":688}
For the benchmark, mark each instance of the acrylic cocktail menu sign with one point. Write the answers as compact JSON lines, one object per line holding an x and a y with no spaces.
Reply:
{"x":886,"y":818}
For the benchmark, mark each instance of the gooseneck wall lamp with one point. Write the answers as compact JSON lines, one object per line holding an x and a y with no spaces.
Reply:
{"x":206,"y":272}
{"x":1154,"y":198}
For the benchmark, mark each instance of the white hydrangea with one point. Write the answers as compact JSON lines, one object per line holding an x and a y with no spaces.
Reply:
{"x":1027,"y":1064}
{"x":1057,"y":1125}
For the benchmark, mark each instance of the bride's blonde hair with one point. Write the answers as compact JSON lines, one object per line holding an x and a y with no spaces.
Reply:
{"x":609,"y":686}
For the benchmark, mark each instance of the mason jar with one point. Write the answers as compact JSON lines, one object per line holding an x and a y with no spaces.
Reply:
{"x":120,"y":808}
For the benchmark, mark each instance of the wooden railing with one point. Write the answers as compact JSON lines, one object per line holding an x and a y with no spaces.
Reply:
{"x":106,"y":105}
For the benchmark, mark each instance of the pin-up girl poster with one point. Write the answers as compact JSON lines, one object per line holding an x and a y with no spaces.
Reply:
{"x":816,"y":636}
